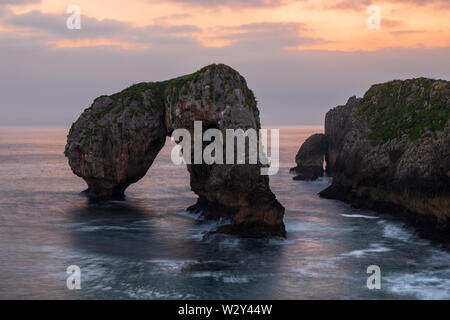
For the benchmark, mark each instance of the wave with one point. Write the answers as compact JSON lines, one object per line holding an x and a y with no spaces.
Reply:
{"x":393,"y":231}
{"x":107,"y":228}
{"x":171,"y":264}
{"x":221,"y":276}
{"x":153,"y":294}
{"x":236,"y":279}
{"x":429,"y":285}
{"x":185,"y":214}
{"x":374,"y":248}
{"x":359,"y":216}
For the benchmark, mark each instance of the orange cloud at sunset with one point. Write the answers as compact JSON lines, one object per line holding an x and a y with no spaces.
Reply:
{"x":95,"y":43}
{"x":329,"y":25}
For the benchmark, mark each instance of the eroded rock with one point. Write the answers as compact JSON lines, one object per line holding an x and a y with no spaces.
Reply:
{"x":391,"y":148}
{"x":115,"y":141}
{"x":310,"y":158}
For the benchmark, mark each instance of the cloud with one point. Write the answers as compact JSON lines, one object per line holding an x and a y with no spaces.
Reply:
{"x":390,"y":23}
{"x":42,"y":85}
{"x":52,"y":27}
{"x":167,"y":18}
{"x":403,"y":32}
{"x":267,"y":35}
{"x":361,"y":5}
{"x":325,"y":4}
{"x":233,"y":3}
{"x":254,"y":36}
{"x":17,"y":2}
{"x":348,"y":4}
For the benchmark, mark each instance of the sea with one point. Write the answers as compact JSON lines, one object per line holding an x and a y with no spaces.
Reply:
{"x":148,"y":247}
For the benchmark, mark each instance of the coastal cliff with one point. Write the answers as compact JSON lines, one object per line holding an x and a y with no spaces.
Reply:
{"x":115,"y":141}
{"x":390,"y":149}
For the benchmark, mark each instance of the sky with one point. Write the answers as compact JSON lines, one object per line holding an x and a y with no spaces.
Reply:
{"x":300,"y":57}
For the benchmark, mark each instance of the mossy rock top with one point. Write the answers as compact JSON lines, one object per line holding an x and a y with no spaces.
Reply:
{"x":161,"y":93}
{"x":413,"y":107}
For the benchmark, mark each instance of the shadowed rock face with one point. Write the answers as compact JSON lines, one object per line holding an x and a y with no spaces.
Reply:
{"x":115,"y":141}
{"x":391,"y":149}
{"x":310,"y":158}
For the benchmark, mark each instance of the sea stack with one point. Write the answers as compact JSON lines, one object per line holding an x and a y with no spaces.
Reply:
{"x":310,"y":158}
{"x":115,"y":141}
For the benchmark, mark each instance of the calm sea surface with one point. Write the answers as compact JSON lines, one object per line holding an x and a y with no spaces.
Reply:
{"x":148,"y":247}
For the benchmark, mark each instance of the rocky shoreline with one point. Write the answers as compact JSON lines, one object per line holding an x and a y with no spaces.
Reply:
{"x":390,"y":151}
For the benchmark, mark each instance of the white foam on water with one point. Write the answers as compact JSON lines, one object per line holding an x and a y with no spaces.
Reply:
{"x":374,"y":248}
{"x":359,"y":216}
{"x":306,"y":226}
{"x":45,"y":249}
{"x":229,"y":241}
{"x":429,"y":285}
{"x":216,"y":275}
{"x":197,"y":236}
{"x":220,"y":276}
{"x":292,"y":226}
{"x":322,"y":180}
{"x":323,"y":267}
{"x":439,"y":258}
{"x":171,"y":265}
{"x":106,"y":228}
{"x":153,"y":294}
{"x":185,"y":214}
{"x":307,"y":272}
{"x":235,"y":279}
{"x":393,"y":231}
{"x":280,"y":241}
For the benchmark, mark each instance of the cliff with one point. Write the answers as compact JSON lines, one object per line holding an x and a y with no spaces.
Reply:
{"x":391,"y":149}
{"x":115,"y":141}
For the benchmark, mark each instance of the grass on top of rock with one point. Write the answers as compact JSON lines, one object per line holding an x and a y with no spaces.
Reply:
{"x":168,"y":91}
{"x":411,"y":107}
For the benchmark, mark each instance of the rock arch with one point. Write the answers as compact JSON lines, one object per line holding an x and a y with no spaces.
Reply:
{"x":310,"y":158}
{"x":115,"y":141}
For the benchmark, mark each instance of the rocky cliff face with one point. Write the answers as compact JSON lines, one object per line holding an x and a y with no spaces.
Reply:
{"x":338,"y":122}
{"x":115,"y":141}
{"x":391,"y":149}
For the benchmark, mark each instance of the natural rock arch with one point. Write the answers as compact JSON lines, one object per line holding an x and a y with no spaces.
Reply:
{"x":115,"y":141}
{"x":310,"y":158}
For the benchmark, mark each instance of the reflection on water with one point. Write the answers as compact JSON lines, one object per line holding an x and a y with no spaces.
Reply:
{"x":148,"y":247}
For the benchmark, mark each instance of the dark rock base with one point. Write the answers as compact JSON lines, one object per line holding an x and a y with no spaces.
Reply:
{"x":210,"y":210}
{"x":216,"y":211}
{"x":307,"y":172}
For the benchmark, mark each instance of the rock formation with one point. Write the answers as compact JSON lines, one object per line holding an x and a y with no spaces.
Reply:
{"x":391,"y":149}
{"x":115,"y":141}
{"x":310,"y":158}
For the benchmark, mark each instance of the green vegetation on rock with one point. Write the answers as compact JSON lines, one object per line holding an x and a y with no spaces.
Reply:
{"x":411,"y":107}
{"x":162,"y":93}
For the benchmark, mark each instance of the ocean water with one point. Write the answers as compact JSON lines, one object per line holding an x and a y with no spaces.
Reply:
{"x":148,"y":247}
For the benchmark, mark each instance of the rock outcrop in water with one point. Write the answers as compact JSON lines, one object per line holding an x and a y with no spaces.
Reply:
{"x":310,"y":158}
{"x":391,"y":149}
{"x":115,"y":141}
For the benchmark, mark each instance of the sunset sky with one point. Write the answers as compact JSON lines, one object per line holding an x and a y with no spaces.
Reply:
{"x":301,"y":57}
